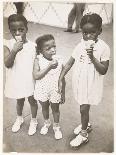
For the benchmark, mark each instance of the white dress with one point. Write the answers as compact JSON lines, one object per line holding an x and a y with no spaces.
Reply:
{"x":87,"y":82}
{"x":19,"y":78}
{"x":47,"y":87}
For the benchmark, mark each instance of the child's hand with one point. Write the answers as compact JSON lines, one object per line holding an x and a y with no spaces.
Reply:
{"x":90,"y":52}
{"x":53,"y":64}
{"x":63,"y":98}
{"x":60,"y":87}
{"x":18,"y":46}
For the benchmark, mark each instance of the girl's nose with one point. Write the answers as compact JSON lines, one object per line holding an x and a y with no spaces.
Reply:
{"x":17,"y":32}
{"x":53,"y":50}
{"x":88,"y":35}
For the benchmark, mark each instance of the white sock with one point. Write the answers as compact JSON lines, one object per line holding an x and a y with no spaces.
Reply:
{"x":34,"y":119}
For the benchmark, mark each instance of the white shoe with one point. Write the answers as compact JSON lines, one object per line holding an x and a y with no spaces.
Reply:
{"x":79,"y":140}
{"x":44,"y":129}
{"x":16,"y":126}
{"x":58,"y":133}
{"x":32,"y":127}
{"x":78,"y":129}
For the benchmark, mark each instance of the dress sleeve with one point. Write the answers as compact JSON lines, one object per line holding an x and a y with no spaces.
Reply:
{"x":76,"y":52}
{"x":9,"y":43}
{"x":5,"y":42}
{"x":106,"y":54}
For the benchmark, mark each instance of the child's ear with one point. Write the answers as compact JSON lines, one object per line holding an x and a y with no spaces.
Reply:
{"x":100,"y":31}
{"x":37,"y":51}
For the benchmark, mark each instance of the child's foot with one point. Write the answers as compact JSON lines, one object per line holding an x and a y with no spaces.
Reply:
{"x":44,"y":129}
{"x":58,"y":133}
{"x":78,"y":129}
{"x":79,"y":140}
{"x":32,"y":127}
{"x":16,"y":126}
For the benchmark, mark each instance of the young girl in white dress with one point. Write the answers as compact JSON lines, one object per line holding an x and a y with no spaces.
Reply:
{"x":19,"y":55}
{"x":47,"y":70}
{"x":91,"y":60}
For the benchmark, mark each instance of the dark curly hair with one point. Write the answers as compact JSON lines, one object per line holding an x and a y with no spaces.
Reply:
{"x":93,"y":18}
{"x":41,"y":40}
{"x":17,"y":17}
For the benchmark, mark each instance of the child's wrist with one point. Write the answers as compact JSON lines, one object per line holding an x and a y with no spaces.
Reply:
{"x":93,"y":59}
{"x":14,"y":51}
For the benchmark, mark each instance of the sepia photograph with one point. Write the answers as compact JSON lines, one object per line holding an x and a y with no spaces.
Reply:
{"x":58,"y":76}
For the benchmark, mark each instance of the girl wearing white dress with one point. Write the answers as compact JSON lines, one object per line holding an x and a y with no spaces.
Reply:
{"x":91,"y":60}
{"x":19,"y":55}
{"x":47,"y":70}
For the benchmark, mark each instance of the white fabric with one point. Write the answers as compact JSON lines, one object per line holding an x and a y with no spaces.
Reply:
{"x":47,"y":87}
{"x":19,"y":78}
{"x":87,"y":83}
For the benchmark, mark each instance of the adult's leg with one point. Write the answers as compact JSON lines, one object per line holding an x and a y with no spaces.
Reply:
{"x":71,"y":19}
{"x":19,"y":7}
{"x":79,"y":7}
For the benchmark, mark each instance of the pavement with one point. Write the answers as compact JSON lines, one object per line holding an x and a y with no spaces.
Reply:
{"x":101,"y":139}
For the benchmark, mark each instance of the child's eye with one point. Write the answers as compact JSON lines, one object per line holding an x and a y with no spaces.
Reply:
{"x":90,"y":33}
{"x":85,"y":33}
{"x":21,"y":30}
{"x":13,"y":30}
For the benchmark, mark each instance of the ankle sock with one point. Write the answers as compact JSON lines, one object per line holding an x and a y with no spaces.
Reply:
{"x":83,"y":133}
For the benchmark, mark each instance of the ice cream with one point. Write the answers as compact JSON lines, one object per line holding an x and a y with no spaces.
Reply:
{"x":89,"y":43}
{"x":18,"y":38}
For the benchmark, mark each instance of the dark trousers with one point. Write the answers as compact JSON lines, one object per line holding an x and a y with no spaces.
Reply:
{"x":76,"y":14}
{"x":20,"y":7}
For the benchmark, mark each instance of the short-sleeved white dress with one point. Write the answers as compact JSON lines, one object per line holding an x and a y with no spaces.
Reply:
{"x":19,"y":79}
{"x":87,"y":82}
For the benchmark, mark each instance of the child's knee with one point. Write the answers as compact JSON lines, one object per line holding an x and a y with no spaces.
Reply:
{"x":20,"y":101}
{"x":84,"y":109}
{"x":32,"y":101}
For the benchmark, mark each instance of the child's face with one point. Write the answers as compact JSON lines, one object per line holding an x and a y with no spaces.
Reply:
{"x":18,"y":29}
{"x":49,"y":49}
{"x":90,"y":32}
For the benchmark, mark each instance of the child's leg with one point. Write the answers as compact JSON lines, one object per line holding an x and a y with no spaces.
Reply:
{"x":55,"y":112}
{"x":45,"y":109}
{"x":56,"y":116}
{"x":82,"y":137}
{"x":16,"y":126}
{"x":45,"y":112}
{"x":33,"y":105}
{"x":84,"y":110}
{"x":19,"y":107}
{"x":34,"y":108}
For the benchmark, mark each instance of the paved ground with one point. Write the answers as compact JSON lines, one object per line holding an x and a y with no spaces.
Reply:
{"x":101,"y":139}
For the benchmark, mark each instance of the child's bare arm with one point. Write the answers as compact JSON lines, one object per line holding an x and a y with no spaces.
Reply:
{"x":102,"y":66}
{"x":65,"y":70}
{"x":9,"y":56}
{"x":67,"y":67}
{"x":39,"y":74}
{"x":63,"y":90}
